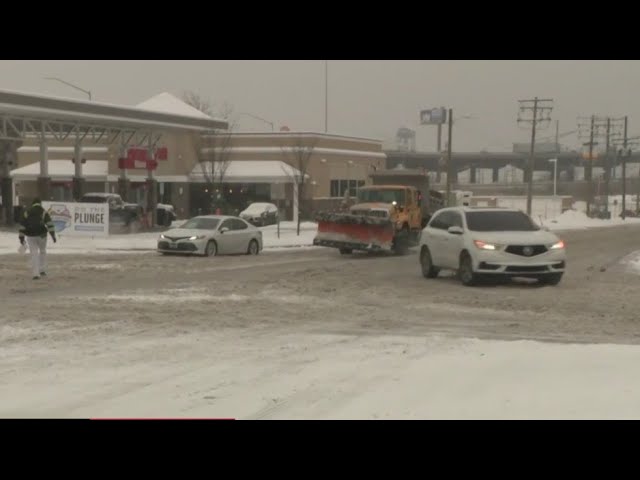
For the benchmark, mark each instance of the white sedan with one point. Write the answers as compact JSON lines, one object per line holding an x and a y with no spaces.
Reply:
{"x":212,"y":235}
{"x":481,"y":243}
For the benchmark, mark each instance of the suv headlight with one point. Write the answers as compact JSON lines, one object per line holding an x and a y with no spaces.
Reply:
{"x":198,"y":237}
{"x":162,"y":236}
{"x":486,"y":246}
{"x":557,"y":246}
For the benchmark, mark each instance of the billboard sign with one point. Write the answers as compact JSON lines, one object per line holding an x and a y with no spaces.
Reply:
{"x":82,"y":219}
{"x":433,"y":116}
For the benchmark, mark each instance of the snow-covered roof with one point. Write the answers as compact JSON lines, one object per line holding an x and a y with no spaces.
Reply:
{"x":248,"y":171}
{"x":92,"y":170}
{"x":167,"y":103}
{"x":63,"y":169}
{"x":36,"y":149}
{"x":302,"y":133}
{"x":293,"y":150}
{"x":39,"y":108}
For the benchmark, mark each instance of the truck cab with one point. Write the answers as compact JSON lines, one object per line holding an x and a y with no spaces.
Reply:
{"x":400,"y":203}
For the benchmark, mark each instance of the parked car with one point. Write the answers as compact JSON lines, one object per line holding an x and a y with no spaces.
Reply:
{"x":126,"y":216}
{"x":483,"y":243}
{"x":211,"y":235}
{"x":260,"y":214}
{"x":166,"y":214}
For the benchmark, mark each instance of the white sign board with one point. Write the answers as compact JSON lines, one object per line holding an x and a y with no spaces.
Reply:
{"x":81,"y":219}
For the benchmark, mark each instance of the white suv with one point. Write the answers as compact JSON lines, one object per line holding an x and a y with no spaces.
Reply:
{"x":490,"y":243}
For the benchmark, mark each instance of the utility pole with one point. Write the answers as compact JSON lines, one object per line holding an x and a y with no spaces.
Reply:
{"x":624,"y":170}
{"x":607,"y":167}
{"x":588,"y":167}
{"x":607,"y":127}
{"x":541,"y":109}
{"x":326,"y":96}
{"x":628,"y":145}
{"x":589,"y":176}
{"x":449,"y":162}
{"x":439,"y":133}
{"x":558,"y":135}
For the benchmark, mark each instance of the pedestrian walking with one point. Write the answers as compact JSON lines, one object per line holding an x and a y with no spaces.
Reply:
{"x":36,"y":224}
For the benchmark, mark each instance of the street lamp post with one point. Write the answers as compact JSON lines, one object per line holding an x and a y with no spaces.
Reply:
{"x":326,"y":96}
{"x":449,"y":151}
{"x":258,"y":118}
{"x":555,"y":175}
{"x":69,"y":84}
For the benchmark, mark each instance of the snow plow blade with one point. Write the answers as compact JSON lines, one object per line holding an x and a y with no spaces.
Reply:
{"x":354,"y":232}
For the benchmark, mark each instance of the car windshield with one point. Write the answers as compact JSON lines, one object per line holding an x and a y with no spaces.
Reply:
{"x":500,"y":222}
{"x":382,"y":195}
{"x":202,"y":223}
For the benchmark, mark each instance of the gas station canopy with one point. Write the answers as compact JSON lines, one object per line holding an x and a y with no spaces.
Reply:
{"x":36,"y":116}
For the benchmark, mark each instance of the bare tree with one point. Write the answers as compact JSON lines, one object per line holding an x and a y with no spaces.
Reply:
{"x":214,"y":148}
{"x":298,"y":156}
{"x":198,"y":102}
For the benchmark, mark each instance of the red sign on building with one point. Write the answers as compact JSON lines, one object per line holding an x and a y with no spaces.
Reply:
{"x":138,"y":159}
{"x":162,"y":153}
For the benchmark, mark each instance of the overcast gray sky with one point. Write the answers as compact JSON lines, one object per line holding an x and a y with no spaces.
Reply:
{"x":366,"y":98}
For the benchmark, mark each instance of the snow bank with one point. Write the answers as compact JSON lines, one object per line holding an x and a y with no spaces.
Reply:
{"x":577,"y":220}
{"x":631,"y":263}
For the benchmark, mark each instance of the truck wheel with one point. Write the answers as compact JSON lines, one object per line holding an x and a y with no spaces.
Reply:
{"x":428,"y":270}
{"x":401,"y":242}
{"x":346,"y":251}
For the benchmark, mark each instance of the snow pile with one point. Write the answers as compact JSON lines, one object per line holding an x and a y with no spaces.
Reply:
{"x":146,"y":242}
{"x":541,"y":207}
{"x":288,"y":237}
{"x":576,"y":220}
{"x":631,"y":263}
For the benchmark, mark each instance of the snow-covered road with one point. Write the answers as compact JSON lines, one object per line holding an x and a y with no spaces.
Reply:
{"x":313,"y":334}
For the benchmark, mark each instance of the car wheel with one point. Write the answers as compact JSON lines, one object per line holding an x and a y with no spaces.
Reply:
{"x":254,"y":248}
{"x":211,"y":250}
{"x":551,"y":279}
{"x":465,"y":271}
{"x":346,"y":251}
{"x":428,"y":270}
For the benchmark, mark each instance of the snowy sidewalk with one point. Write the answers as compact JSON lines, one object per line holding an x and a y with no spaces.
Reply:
{"x":146,"y":242}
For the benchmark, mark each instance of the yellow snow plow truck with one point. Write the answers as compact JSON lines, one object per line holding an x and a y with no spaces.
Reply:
{"x":388,"y":216}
